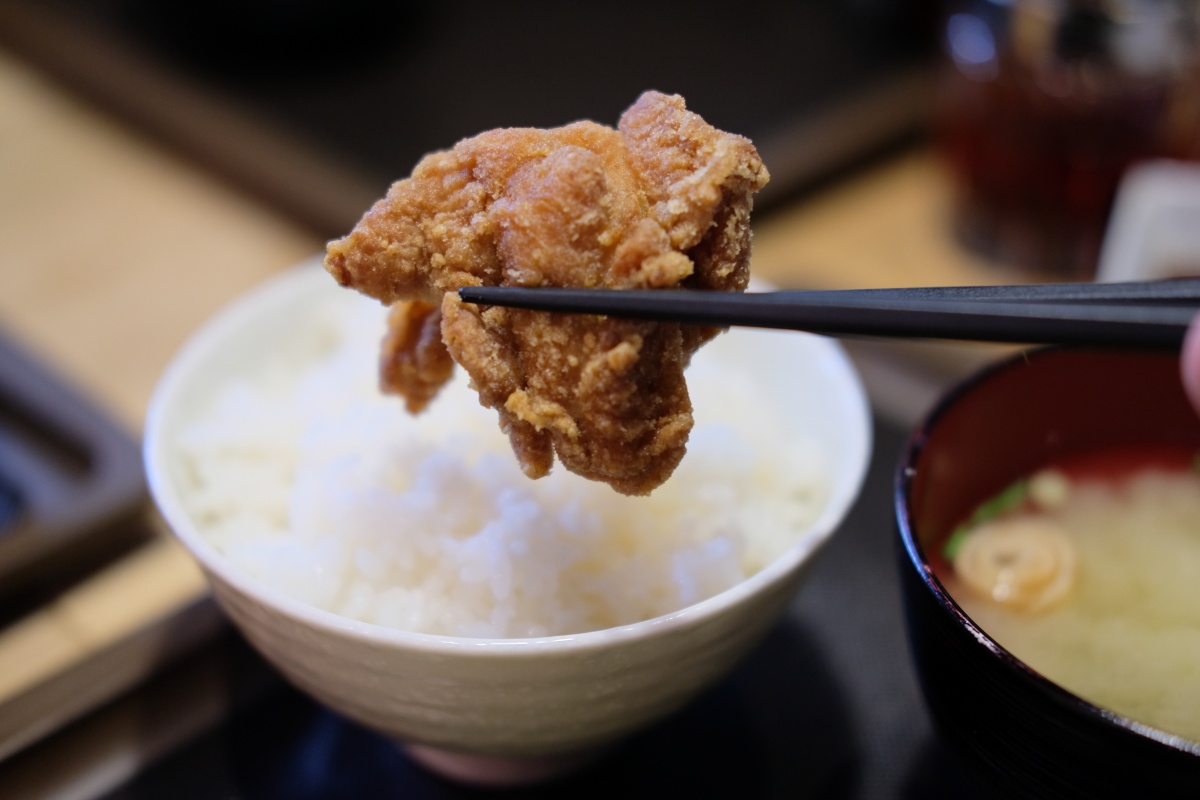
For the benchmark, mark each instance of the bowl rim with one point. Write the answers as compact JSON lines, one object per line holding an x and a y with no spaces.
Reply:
{"x":904,"y":476}
{"x":294,"y":282}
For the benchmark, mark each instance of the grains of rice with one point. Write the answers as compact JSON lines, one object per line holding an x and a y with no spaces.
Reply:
{"x":310,"y":480}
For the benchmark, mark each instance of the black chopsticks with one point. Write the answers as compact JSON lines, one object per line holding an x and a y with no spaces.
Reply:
{"x":1151,"y":314}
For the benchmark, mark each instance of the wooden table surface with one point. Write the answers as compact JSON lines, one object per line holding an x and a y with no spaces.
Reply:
{"x":113,"y":251}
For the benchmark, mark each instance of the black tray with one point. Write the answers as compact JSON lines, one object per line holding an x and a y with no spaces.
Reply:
{"x":69,"y":475}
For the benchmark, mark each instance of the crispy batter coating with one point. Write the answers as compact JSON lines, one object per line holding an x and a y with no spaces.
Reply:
{"x":413,"y":361}
{"x":662,"y":201}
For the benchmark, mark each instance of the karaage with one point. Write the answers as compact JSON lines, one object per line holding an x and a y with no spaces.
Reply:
{"x":662,"y":201}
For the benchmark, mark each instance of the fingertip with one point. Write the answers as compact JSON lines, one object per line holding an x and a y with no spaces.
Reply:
{"x":1189,"y":363}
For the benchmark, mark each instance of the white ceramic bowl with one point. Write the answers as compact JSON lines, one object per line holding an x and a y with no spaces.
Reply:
{"x":496,"y":710}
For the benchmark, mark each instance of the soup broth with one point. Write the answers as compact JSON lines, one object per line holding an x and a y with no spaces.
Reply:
{"x":1089,"y":572}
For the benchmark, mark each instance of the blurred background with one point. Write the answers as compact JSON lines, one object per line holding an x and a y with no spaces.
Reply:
{"x":284,"y":98}
{"x":157,"y":159}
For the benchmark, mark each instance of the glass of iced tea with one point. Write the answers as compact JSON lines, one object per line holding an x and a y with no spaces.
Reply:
{"x":1045,"y":103}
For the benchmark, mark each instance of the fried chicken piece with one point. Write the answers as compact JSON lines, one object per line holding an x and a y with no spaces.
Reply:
{"x":662,"y":201}
{"x":413,"y":361}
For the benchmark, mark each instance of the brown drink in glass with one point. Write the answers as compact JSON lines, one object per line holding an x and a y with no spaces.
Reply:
{"x":1043,"y":107}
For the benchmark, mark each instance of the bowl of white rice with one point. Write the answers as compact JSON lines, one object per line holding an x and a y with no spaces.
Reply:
{"x":402,"y":571}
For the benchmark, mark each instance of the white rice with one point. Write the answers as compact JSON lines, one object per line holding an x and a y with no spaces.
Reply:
{"x":309,"y":479}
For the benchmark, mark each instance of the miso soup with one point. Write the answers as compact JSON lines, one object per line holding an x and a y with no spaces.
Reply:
{"x":1089,"y":572}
